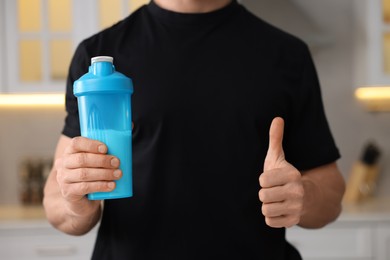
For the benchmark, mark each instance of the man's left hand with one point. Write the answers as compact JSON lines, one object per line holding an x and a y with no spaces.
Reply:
{"x":281,"y":190}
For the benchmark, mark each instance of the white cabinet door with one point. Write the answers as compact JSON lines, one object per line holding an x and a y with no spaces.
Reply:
{"x":41,"y":36}
{"x":2,"y":46}
{"x":38,"y":44}
{"x":337,"y":241}
{"x":43,"y":242}
{"x":383,"y":241}
{"x":372,"y":54}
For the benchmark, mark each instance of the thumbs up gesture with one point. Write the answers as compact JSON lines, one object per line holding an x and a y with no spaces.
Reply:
{"x":281,"y":186}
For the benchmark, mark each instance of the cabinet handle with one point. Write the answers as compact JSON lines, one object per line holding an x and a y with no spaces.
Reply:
{"x":56,"y":250}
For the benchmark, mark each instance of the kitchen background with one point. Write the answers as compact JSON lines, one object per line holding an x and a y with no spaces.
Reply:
{"x":341,"y":35}
{"x":335,"y":37}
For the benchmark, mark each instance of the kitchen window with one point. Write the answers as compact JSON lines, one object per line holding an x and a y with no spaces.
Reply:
{"x":41,"y":36}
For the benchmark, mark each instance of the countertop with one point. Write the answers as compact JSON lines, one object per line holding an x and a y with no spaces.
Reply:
{"x":20,"y":217}
{"x":20,"y":212}
{"x":374,"y":209}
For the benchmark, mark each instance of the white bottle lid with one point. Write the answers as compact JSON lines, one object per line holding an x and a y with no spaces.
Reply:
{"x":102,"y":59}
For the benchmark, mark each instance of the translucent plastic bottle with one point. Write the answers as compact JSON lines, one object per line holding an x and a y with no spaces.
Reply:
{"x":104,"y":102}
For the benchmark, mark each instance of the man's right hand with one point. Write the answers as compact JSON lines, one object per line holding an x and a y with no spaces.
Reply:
{"x":85,"y":168}
{"x":81,"y":166}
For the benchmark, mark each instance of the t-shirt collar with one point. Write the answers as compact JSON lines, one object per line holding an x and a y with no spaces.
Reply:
{"x":192,"y":18}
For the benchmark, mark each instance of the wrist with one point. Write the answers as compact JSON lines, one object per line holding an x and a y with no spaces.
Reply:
{"x":81,"y":218}
{"x":311,"y":202}
{"x":310,"y":195}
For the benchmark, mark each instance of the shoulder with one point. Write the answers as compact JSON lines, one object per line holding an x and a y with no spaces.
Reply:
{"x":266,"y":35}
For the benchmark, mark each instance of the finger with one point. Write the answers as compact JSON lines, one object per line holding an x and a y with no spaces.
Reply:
{"x":272,"y":178}
{"x":270,"y":195}
{"x":276,"y":136}
{"x":90,"y":160}
{"x":90,"y":175}
{"x":279,"y":176}
{"x":76,"y":190}
{"x":276,"y":209}
{"x":83,"y":144}
{"x":275,"y":147}
{"x":282,"y":221}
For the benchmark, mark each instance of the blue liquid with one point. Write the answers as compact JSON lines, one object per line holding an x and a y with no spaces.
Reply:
{"x":119,"y":145}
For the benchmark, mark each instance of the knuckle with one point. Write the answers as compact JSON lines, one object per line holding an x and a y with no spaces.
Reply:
{"x":65,"y":191}
{"x":295,"y":191}
{"x":107,"y":175}
{"x":65,"y":162}
{"x":81,"y":159}
{"x":293,"y":221}
{"x":83,"y":174}
{"x":289,"y":225}
{"x":58,"y":163}
{"x":297,"y":220}
{"x":59,"y":176}
{"x":261,"y":196}
{"x":75,"y":142}
{"x":264,"y":195}
{"x":295,"y":174}
{"x":108,"y":160}
{"x":83,"y":188}
{"x":265,"y":210}
{"x":104,"y":186}
{"x":263,"y":180}
{"x":298,"y":192}
{"x":269,"y":222}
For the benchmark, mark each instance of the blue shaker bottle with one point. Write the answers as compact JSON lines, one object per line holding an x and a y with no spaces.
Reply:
{"x":104,"y":102}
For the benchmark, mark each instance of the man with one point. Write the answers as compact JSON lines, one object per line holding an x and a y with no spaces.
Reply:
{"x":230,"y":139}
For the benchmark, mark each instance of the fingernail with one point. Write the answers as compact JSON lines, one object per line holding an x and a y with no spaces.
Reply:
{"x":111,"y":185}
{"x":117,"y":173}
{"x":114,"y":162}
{"x":102,"y":149}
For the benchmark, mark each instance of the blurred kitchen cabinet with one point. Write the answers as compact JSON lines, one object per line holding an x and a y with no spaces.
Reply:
{"x":2,"y":46}
{"x":372,"y":42}
{"x":35,"y":241}
{"x":41,"y":36}
{"x":345,"y":239}
{"x":383,"y":242}
{"x":338,"y":241}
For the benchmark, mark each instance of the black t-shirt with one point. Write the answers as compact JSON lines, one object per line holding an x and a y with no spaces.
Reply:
{"x":206,"y":88}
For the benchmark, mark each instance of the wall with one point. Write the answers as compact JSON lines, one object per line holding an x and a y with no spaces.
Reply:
{"x":352,"y":126}
{"x":25,"y":133}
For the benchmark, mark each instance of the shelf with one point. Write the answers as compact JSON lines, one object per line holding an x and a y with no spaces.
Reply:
{"x":373,"y":209}
{"x":19,"y":212}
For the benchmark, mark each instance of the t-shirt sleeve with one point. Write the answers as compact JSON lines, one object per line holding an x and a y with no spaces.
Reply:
{"x":78,"y":67}
{"x":308,"y":141}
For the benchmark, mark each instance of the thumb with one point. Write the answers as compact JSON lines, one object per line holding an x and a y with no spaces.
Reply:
{"x":275,"y":153}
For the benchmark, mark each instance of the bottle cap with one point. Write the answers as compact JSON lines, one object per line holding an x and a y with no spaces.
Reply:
{"x":102,"y":59}
{"x":102,"y":77}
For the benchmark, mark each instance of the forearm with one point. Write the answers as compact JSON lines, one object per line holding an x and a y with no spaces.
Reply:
{"x":323,"y":195}
{"x":61,"y":215}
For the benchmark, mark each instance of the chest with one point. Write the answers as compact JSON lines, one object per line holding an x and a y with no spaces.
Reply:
{"x":205,"y":76}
